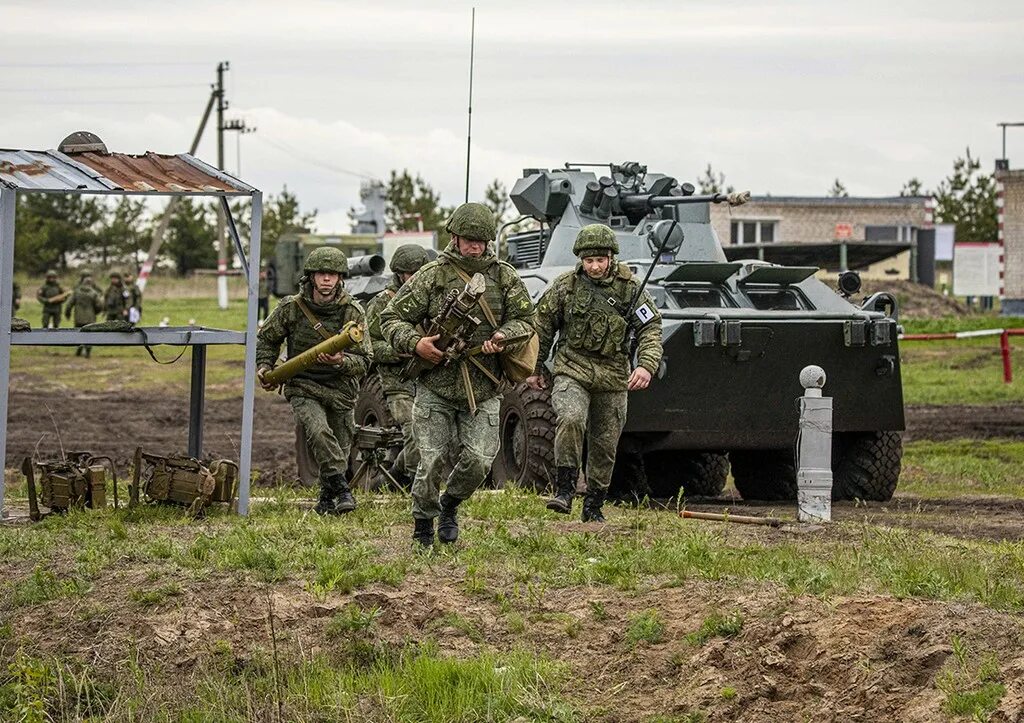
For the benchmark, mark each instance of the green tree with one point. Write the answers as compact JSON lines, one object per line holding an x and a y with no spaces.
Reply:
{"x":711,"y":182}
{"x":967,"y":198}
{"x":191,"y":236}
{"x":123,"y":233}
{"x":281,"y":213}
{"x":913,"y":187}
{"x":52,"y":227}
{"x":410,"y":199}
{"x":838,"y":190}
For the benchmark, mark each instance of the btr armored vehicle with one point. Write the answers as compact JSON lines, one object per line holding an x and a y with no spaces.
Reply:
{"x":736,"y":335}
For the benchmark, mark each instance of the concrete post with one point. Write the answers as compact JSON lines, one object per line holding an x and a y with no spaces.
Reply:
{"x":814,"y":449}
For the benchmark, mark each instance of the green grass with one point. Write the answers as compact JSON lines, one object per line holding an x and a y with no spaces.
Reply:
{"x":970,"y":683}
{"x":962,"y":371}
{"x":645,"y":627}
{"x":717,"y":625}
{"x":963,"y":467}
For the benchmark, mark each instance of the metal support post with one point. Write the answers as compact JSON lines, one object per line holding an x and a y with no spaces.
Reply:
{"x":197,"y":397}
{"x":248,"y":401}
{"x":814,"y":449}
{"x":8,"y":200}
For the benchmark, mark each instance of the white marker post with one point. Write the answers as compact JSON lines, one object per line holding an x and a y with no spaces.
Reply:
{"x":814,"y":449}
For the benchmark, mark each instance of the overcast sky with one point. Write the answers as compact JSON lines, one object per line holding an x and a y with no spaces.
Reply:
{"x":782,"y":97}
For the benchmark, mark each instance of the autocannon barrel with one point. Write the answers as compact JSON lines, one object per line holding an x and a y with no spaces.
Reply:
{"x":369,"y":265}
{"x":350,"y":335}
{"x":647,"y":202}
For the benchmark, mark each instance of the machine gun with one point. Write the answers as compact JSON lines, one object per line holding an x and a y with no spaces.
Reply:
{"x":374,"y":445}
{"x":79,"y":481}
{"x":454,"y":324}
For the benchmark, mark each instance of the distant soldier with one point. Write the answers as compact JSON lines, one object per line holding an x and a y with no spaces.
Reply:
{"x":589,"y":309}
{"x":115,"y":299}
{"x":52,"y":297}
{"x":86,"y":304}
{"x":17,"y":296}
{"x":323,"y":396}
{"x":441,"y":411}
{"x":263,"y":300}
{"x":398,"y":392}
{"x":134,"y":299}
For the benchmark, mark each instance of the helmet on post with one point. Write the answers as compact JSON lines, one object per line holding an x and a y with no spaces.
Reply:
{"x":473,"y":221}
{"x":325,"y":258}
{"x":595,"y":239}
{"x":408,"y":259}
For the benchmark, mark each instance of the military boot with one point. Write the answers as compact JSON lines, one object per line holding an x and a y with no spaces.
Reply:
{"x":325,"y":503}
{"x":448,"y":523}
{"x":423,"y":532}
{"x":565,"y":488}
{"x":343,"y":499}
{"x":592,"y":507}
{"x":403,"y":480}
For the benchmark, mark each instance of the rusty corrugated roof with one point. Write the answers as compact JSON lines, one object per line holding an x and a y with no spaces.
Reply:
{"x":93,"y":172}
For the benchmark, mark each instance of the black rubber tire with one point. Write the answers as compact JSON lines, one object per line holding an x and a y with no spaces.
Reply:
{"x":866,"y":465}
{"x":371,"y":408}
{"x":764,"y":474}
{"x":699,"y":474}
{"x":527,"y":433}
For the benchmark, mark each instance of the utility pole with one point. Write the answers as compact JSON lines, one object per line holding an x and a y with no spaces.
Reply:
{"x":239,"y":126}
{"x":222,"y":247}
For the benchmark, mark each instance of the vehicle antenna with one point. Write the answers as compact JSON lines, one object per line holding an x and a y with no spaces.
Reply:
{"x":469,"y":127}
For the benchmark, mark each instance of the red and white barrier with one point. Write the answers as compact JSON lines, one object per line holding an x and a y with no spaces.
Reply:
{"x":1004,"y":342}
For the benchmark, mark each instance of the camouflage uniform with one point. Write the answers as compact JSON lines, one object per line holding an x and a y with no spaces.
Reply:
{"x":51,"y":310}
{"x":591,"y":364}
{"x":263,"y":298}
{"x":115,"y":299}
{"x":134,"y":295}
{"x":441,"y":414}
{"x":323,"y":396}
{"x":398,"y":392}
{"x":16,"y":300}
{"x":85,"y":303}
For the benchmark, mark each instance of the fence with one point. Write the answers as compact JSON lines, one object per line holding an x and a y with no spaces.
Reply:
{"x":1004,"y":342}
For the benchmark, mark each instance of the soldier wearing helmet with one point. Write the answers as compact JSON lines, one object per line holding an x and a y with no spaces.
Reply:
{"x":590,"y":311}
{"x":85,"y":302}
{"x":115,"y":298}
{"x":52,"y":297}
{"x":323,"y":396}
{"x":398,"y":392}
{"x":441,"y":416}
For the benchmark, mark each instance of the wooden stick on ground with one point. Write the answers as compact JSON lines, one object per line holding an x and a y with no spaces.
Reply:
{"x":740,"y":519}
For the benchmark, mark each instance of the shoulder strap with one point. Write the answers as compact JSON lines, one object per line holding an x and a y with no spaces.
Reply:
{"x":311,"y":318}
{"x":484,"y":306}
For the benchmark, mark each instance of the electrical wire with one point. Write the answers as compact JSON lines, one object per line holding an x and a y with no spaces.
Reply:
{"x":299,"y":155}
{"x":41,"y":89}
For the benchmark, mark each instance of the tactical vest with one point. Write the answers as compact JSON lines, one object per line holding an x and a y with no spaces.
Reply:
{"x":595,"y":316}
{"x":303,"y":336}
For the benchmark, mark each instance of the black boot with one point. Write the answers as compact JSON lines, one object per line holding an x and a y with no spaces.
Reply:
{"x":325,"y":504}
{"x":565,"y":488}
{"x":448,"y":522}
{"x":592,"y":507}
{"x":343,"y":499}
{"x":423,"y":533}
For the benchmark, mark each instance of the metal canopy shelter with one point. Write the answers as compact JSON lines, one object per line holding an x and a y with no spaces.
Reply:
{"x":832,"y":256}
{"x":84,"y":166}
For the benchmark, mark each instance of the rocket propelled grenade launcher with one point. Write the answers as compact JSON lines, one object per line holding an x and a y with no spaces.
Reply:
{"x":455,"y":324}
{"x":350,"y":335}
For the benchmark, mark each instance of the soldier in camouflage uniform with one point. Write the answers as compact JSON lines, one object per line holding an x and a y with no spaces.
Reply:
{"x":134,"y":299}
{"x":588,"y":308}
{"x":16,"y":301}
{"x":398,"y":392}
{"x":51,"y":289}
{"x":115,"y":298}
{"x":323,"y":396}
{"x":85,"y":303}
{"x":441,"y":411}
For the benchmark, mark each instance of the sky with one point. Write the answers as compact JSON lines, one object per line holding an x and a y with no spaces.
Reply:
{"x":782,"y":97}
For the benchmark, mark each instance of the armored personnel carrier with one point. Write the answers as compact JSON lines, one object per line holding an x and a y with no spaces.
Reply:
{"x":736,"y":335}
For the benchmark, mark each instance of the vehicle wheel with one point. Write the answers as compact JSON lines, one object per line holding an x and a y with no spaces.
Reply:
{"x":527,"y":433}
{"x":371,"y":407}
{"x":866,"y":465}
{"x":764,"y":474}
{"x":700,"y":474}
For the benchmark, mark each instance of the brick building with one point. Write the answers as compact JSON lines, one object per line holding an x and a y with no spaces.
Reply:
{"x":881,"y":233}
{"x":1010,"y":205}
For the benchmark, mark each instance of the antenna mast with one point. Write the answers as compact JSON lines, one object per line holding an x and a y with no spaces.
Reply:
{"x":469,"y":128}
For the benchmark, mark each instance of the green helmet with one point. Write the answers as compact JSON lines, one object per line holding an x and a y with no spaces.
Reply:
{"x":326,"y":258}
{"x":408,"y":259}
{"x":51,"y":273}
{"x":84,"y":274}
{"x":473,"y":221}
{"x":595,"y":239}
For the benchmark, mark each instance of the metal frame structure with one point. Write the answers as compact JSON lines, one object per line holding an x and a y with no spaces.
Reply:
{"x":148,"y":175}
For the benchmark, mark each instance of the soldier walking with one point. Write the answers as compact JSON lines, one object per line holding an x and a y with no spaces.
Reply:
{"x":442,"y":414}
{"x":115,"y":299}
{"x":589,"y":308}
{"x":85,"y":303}
{"x":398,"y":392}
{"x":52,"y":297}
{"x":322,"y":397}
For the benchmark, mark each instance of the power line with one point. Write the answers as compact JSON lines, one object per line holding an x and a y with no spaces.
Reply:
{"x":298,"y":155}
{"x":75,"y":103}
{"x":41,"y":89}
{"x":112,"y":63}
